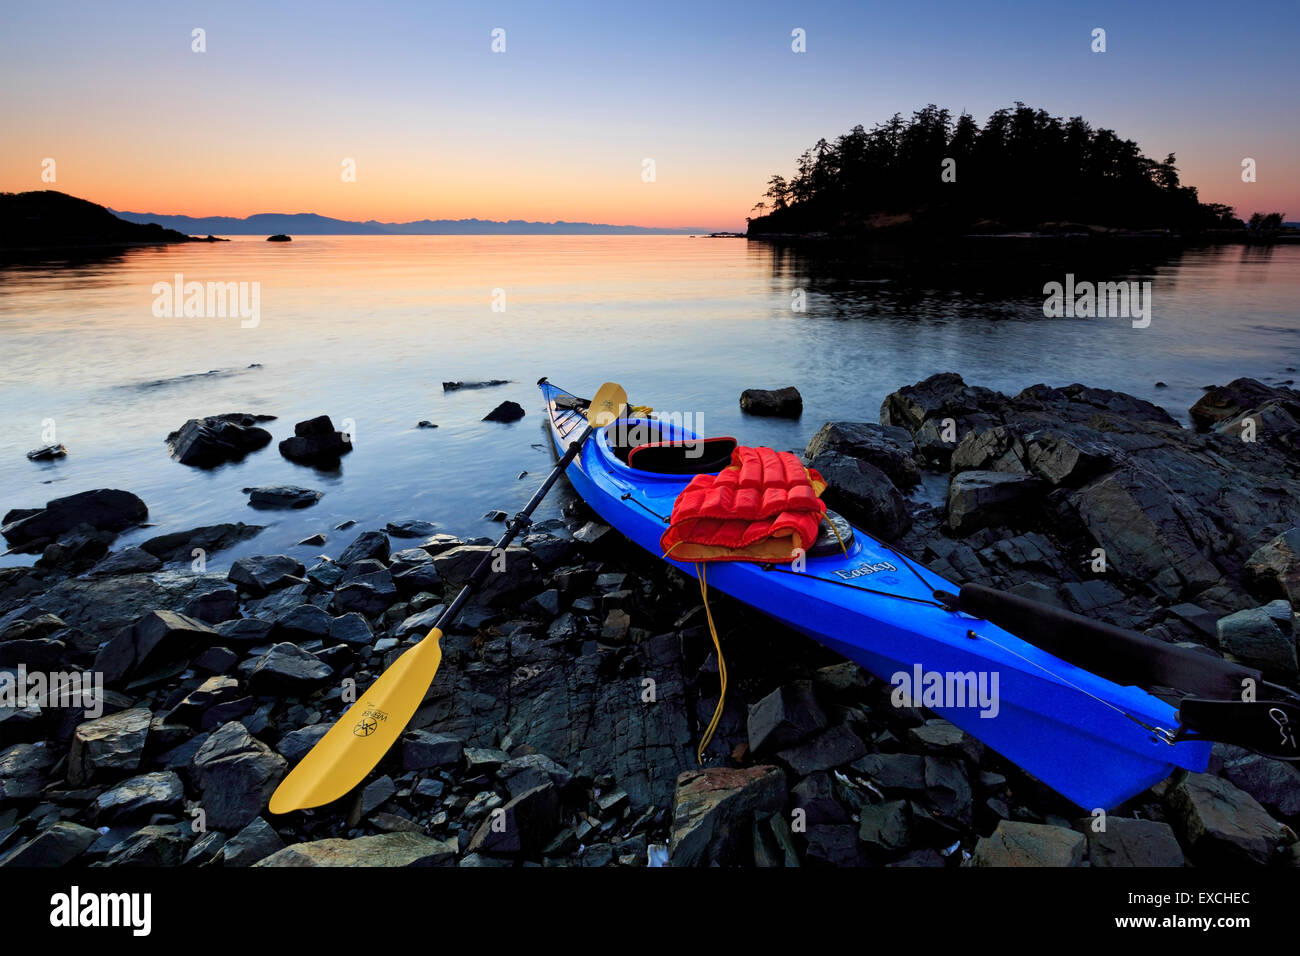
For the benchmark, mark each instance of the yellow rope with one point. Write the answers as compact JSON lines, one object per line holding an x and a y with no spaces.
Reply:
{"x":836,"y":531}
{"x":722,"y":668}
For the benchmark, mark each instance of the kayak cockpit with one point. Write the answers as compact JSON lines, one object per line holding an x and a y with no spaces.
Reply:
{"x":651,"y":446}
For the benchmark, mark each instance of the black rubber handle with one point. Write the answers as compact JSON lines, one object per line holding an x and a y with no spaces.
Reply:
{"x":1119,"y":655}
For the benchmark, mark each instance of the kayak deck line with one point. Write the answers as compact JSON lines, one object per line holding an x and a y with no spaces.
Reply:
{"x":1079,"y":733}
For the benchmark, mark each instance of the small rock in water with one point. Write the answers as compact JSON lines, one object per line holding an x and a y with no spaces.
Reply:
{"x":269,"y":497}
{"x":48,"y":453}
{"x":505,"y":412}
{"x":212,"y":441}
{"x":316,"y":442}
{"x":425,"y":423}
{"x":495,"y":516}
{"x":489,"y":383}
{"x":344,"y":525}
{"x":1161,"y":385}
{"x":314,"y":541}
{"x":776,"y":403}
{"x":411,"y":528}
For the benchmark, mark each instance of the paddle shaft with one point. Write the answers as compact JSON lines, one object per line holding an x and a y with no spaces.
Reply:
{"x":520,"y":521}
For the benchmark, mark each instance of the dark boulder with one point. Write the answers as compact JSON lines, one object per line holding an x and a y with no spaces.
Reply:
{"x":368,"y":544}
{"x":714,"y":811}
{"x":263,"y":573}
{"x":57,"y":845}
{"x":834,"y":747}
{"x":977,"y":499}
{"x":1125,"y":842}
{"x":304,"y":623}
{"x":1261,"y":637}
{"x":154,"y":846}
{"x":1220,"y":824}
{"x":127,"y":561}
{"x":180,"y":545}
{"x":422,"y":750}
{"x":139,"y":798}
{"x":888,"y":447}
{"x":505,"y":412}
{"x":1015,"y":843}
{"x":316,"y":442}
{"x":271,"y":497}
{"x":112,"y":743}
{"x":158,"y":637}
{"x":525,"y":825}
{"x":510,"y":578}
{"x":235,"y":774}
{"x":488,"y":383}
{"x":368,"y":594}
{"x":212,"y":441}
{"x":104,"y":509}
{"x":1149,"y":532}
{"x":211,"y":693}
{"x":774,"y":403}
{"x":864,"y":494}
{"x":411,"y":528}
{"x":286,"y":669}
{"x":255,"y":842}
{"x":47,"y":453}
{"x":1223,"y":403}
{"x":784,"y":718}
{"x":213,"y":607}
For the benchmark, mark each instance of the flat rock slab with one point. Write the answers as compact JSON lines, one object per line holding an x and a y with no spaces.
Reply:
{"x":1220,"y":824}
{"x":271,"y":497}
{"x":1029,"y":844}
{"x":115,"y":742}
{"x":384,"y":849}
{"x":714,"y":811}
{"x":1126,"y":842}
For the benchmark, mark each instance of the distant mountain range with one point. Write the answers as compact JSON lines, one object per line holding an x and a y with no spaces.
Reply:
{"x":310,"y":224}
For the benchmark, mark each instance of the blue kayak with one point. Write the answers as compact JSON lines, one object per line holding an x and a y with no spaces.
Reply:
{"x":1093,"y":741}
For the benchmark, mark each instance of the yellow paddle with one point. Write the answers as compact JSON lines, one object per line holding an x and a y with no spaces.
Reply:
{"x":362,"y":735}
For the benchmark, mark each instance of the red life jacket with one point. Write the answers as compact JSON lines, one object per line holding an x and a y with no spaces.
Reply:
{"x":764,"y":506}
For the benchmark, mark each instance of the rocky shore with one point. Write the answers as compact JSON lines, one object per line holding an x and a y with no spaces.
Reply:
{"x":573,"y":689}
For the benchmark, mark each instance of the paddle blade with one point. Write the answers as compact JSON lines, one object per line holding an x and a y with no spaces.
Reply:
{"x":354,"y":745}
{"x":609,"y":404}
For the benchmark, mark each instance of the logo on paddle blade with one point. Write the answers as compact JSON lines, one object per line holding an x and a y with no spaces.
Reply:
{"x":369,"y":722}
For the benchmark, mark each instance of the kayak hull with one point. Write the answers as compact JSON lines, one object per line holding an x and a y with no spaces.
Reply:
{"x":1078,"y":733}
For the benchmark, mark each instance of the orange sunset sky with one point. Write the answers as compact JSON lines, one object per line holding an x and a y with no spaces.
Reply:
{"x":558,"y":125}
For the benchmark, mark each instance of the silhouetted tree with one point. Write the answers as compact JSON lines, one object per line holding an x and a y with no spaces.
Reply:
{"x":1023,"y":168}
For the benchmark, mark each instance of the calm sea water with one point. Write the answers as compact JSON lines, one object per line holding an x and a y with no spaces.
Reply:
{"x":368,"y":328}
